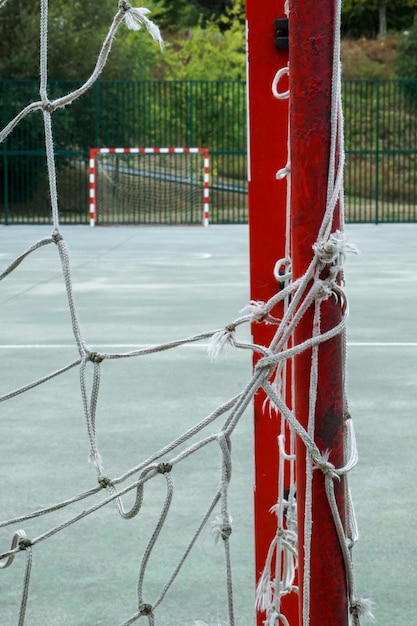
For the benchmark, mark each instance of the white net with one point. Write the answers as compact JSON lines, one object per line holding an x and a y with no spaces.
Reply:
{"x":162,"y":466}
{"x":152,"y":186}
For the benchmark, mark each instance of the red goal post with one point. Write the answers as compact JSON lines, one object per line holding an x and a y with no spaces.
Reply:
{"x":94,"y":152}
{"x":311,"y":32}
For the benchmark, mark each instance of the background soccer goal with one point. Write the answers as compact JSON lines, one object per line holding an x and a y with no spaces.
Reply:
{"x":149,"y":186}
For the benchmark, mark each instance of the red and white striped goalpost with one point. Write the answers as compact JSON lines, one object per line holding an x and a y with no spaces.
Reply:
{"x":174,"y":150}
{"x":311,"y":36}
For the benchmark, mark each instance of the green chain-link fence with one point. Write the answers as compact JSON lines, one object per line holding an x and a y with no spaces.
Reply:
{"x":380,"y":135}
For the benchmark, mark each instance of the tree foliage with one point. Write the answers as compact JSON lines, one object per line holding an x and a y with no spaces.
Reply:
{"x":215,"y":51}
{"x":76,"y":32}
{"x":174,"y":15}
{"x":362,"y":18}
{"x":406,"y":63}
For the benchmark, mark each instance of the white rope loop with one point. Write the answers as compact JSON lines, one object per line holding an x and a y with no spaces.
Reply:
{"x":283,"y":270}
{"x":280,"y":95}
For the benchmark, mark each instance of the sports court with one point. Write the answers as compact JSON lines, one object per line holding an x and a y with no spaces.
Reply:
{"x":137,"y":287}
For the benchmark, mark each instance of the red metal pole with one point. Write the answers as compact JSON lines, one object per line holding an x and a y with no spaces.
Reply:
{"x":311,"y":33}
{"x":267,"y":153}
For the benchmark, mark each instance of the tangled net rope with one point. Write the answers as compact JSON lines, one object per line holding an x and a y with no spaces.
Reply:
{"x":311,"y":290}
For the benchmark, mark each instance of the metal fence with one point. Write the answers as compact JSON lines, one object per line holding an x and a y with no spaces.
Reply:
{"x":381,"y":150}
{"x":380,"y":135}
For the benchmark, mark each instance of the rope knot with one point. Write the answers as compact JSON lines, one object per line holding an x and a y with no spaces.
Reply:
{"x":328,"y":251}
{"x":257,"y":310}
{"x":95,"y":357}
{"x":326,"y":466}
{"x":324,"y":289}
{"x":56,"y":236}
{"x":104,"y":481}
{"x":125,"y":6}
{"x":145,"y":609}
{"x":164,"y":468}
{"x":24,"y":543}
{"x":328,"y":469}
{"x":48,"y":106}
{"x":333,"y":251}
{"x":221,"y":528}
{"x":226,"y":531}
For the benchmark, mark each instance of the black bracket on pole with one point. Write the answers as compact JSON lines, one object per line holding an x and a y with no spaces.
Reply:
{"x":281,"y":33}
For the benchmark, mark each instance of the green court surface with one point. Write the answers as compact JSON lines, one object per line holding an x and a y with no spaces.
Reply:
{"x":137,"y":287}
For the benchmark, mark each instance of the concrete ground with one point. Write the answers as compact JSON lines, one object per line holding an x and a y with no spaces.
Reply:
{"x":141,"y":286}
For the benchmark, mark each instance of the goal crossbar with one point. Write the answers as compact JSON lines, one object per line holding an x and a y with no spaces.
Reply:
{"x":93,"y":179}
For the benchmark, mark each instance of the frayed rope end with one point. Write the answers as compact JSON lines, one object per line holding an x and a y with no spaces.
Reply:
{"x":265,"y":590}
{"x":362,"y":608}
{"x":136,"y":18}
{"x":221,"y":529}
{"x":220,"y":340}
